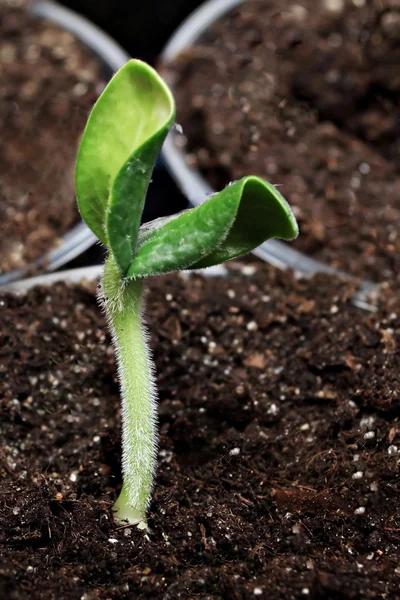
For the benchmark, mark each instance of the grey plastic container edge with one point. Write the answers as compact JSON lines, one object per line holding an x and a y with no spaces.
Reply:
{"x":79,"y":238}
{"x":196,"y":188}
{"x":92,"y":273}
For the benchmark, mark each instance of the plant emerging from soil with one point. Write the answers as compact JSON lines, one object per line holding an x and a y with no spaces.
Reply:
{"x":119,"y":147}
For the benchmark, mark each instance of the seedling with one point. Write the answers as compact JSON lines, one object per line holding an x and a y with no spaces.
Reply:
{"x":119,"y":147}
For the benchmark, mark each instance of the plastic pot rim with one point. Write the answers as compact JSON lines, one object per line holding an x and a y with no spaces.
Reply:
{"x":92,"y":273}
{"x":79,"y":238}
{"x":194,"y":186}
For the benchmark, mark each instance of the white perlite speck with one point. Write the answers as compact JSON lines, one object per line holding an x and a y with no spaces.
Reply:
{"x":248,"y":270}
{"x":252,"y":326}
{"x":336,"y":6}
{"x":234,"y":452}
{"x":360,"y":510}
{"x":364,"y":168}
{"x":358,"y":475}
{"x":367,"y":422}
{"x":393,"y":449}
{"x":273,"y":409}
{"x":257,"y":591}
{"x":369,"y":435}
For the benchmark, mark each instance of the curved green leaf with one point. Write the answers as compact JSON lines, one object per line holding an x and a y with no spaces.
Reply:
{"x":127,"y":200}
{"x":120,"y":143}
{"x":148,"y":230}
{"x":231,"y":223}
{"x":263,"y":214}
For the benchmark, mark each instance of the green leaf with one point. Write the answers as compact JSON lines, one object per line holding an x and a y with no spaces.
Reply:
{"x":263,"y":214}
{"x":231,"y":223}
{"x":127,"y":200}
{"x":122,"y":138}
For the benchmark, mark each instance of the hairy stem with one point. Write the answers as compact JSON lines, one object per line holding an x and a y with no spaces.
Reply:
{"x":123,"y":305}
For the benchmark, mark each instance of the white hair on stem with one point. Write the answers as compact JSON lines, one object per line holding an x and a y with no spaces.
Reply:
{"x":123,"y":306}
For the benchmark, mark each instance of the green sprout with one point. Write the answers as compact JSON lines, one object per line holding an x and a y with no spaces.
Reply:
{"x":117,"y":153}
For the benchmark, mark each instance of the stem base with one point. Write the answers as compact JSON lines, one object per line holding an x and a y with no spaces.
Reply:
{"x":124,"y":512}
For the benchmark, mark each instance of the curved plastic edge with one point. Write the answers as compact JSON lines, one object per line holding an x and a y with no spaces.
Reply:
{"x":92,"y":36}
{"x":364,"y":298}
{"x":195,"y":25}
{"x":88,"y":274}
{"x":79,"y":238}
{"x":195,"y":187}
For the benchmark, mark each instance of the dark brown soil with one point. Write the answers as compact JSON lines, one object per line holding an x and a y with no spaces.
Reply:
{"x":306,"y":94}
{"x":49,"y":82}
{"x":279,"y":449}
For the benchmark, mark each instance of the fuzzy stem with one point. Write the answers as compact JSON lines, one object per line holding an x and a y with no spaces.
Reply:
{"x":123,"y":305}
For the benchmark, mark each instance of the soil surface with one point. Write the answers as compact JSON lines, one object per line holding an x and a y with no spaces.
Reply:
{"x":49,"y":83}
{"x":279,"y":444}
{"x":307,"y":95}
